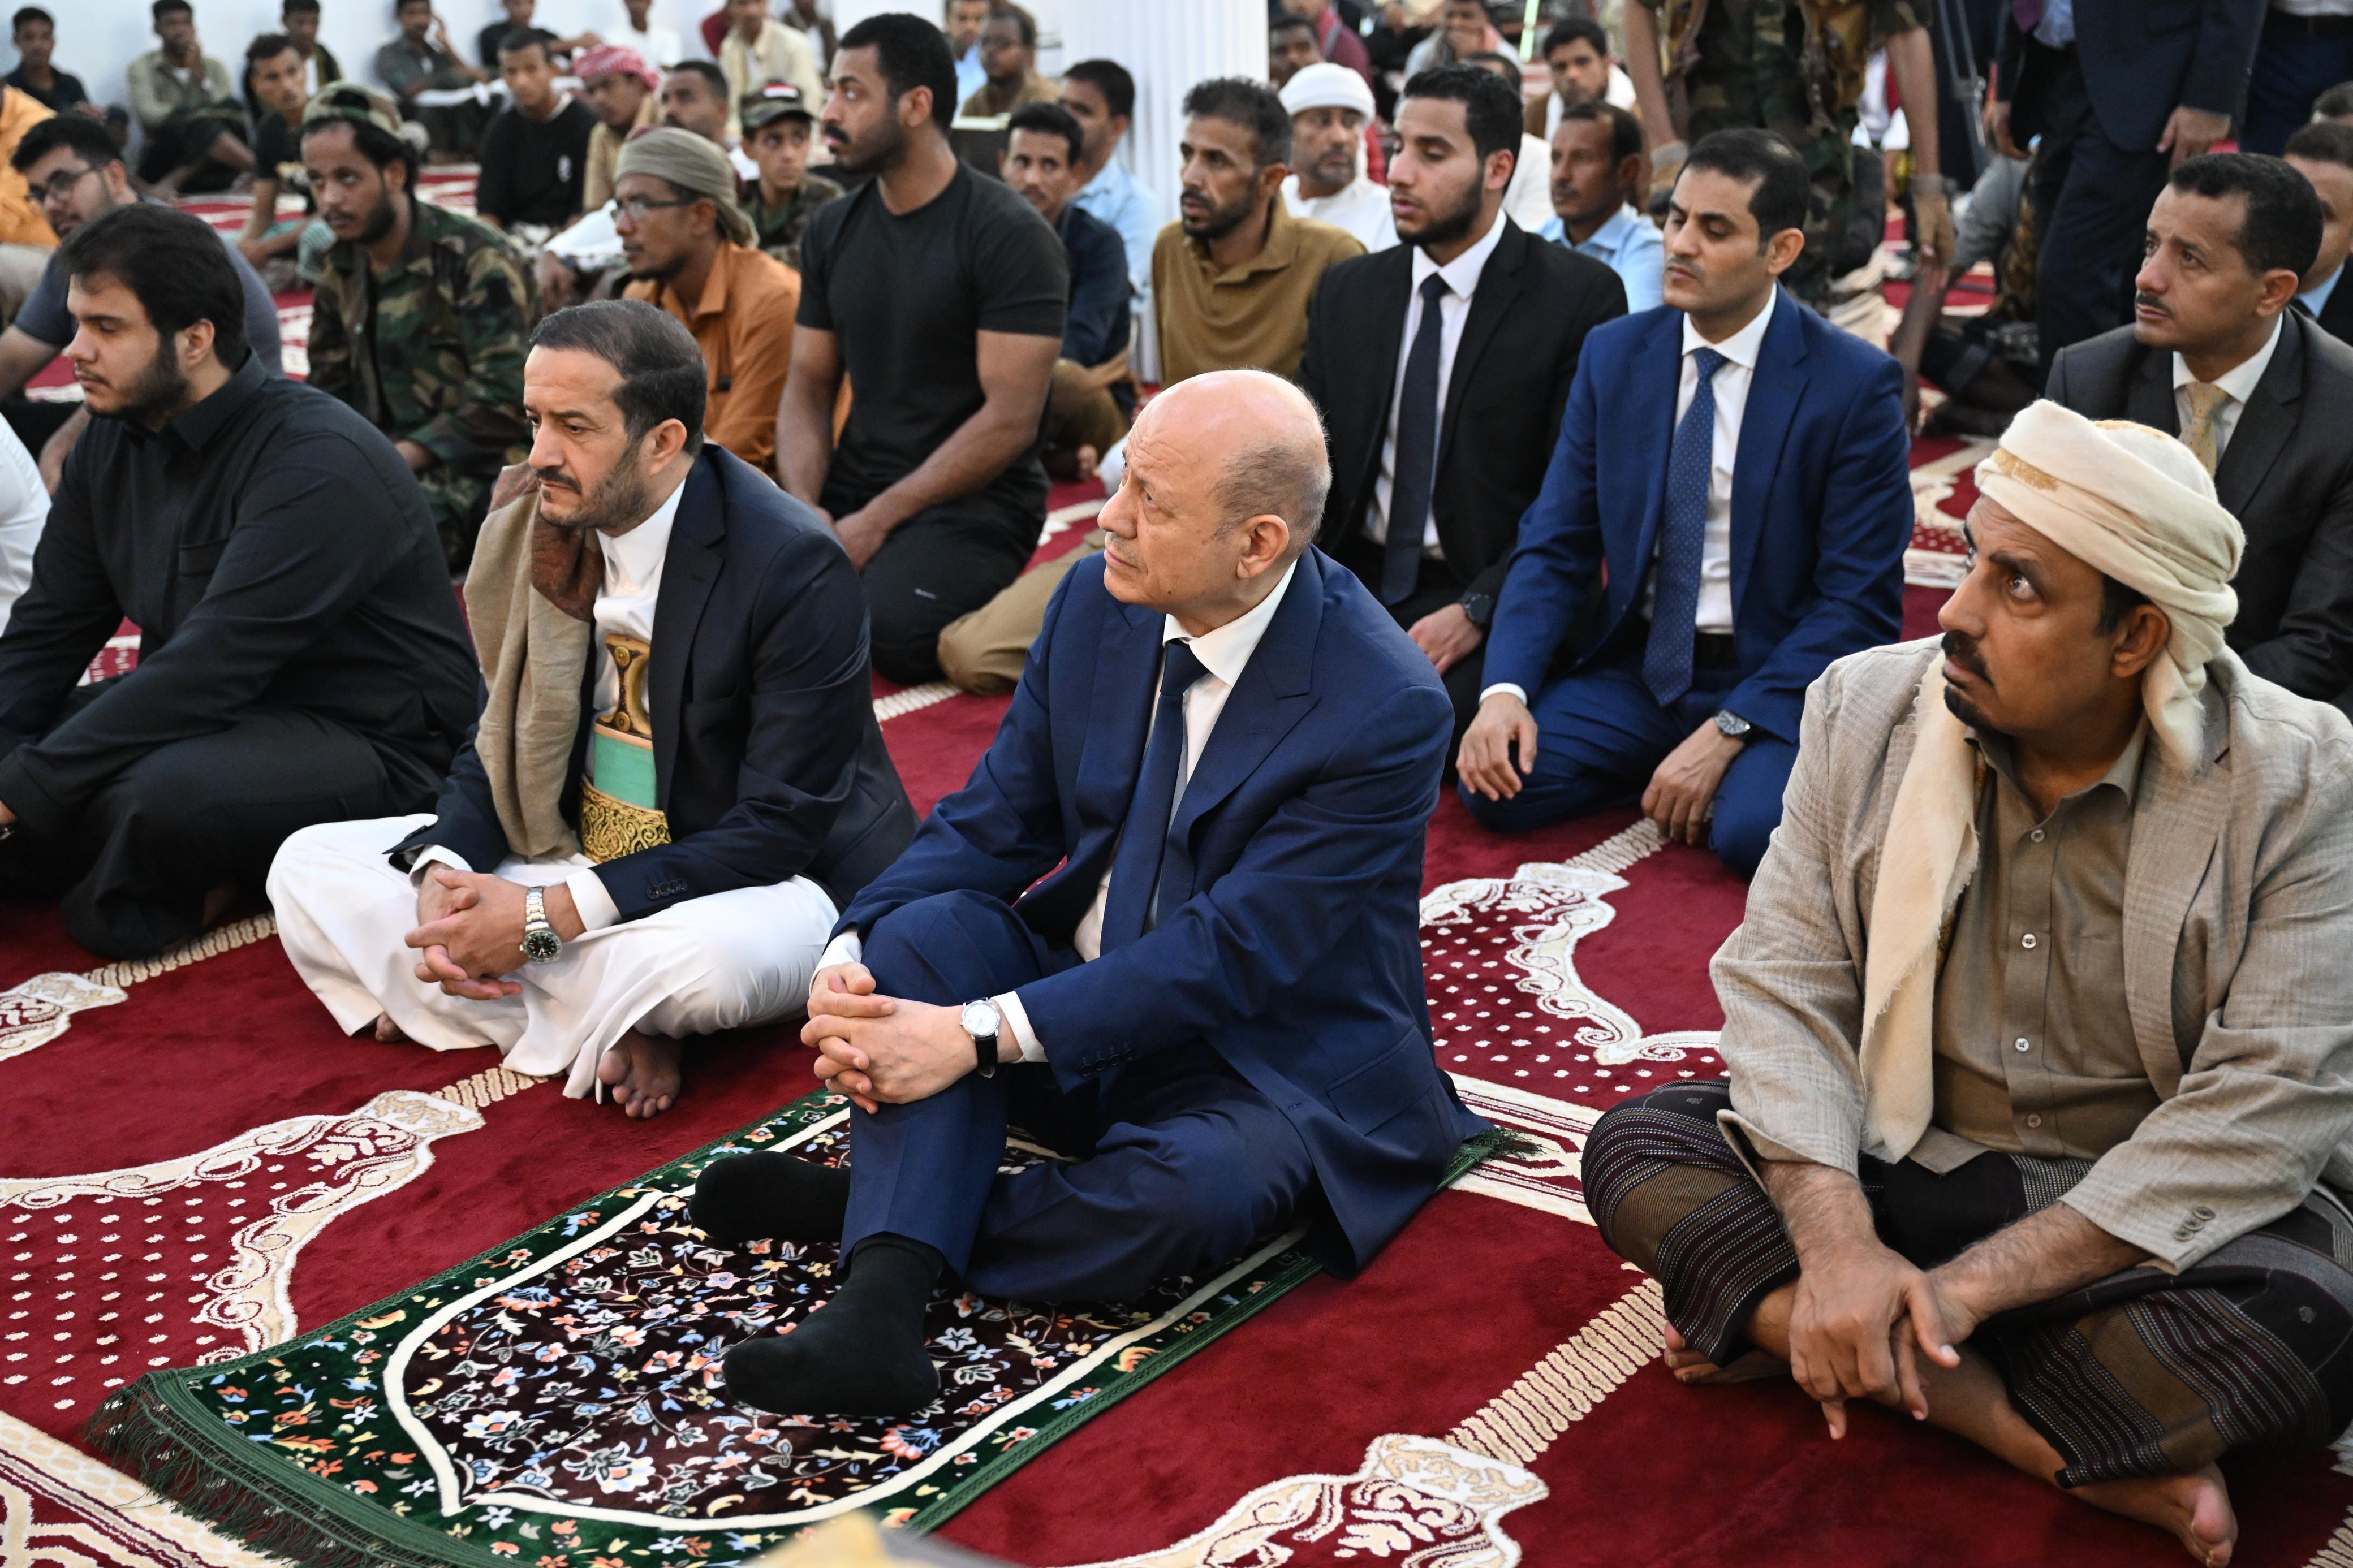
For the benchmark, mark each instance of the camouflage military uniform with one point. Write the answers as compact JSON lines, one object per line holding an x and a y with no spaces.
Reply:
{"x":780,"y":228}
{"x":1795,"y":67}
{"x":431,"y":351}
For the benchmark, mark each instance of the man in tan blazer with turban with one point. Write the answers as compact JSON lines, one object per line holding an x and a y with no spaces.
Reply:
{"x":2040,"y":1023}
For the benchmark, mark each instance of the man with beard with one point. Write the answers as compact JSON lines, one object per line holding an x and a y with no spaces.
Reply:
{"x":73,"y":169}
{"x":1576,"y":54}
{"x":1726,"y":513}
{"x":2038,"y":1024}
{"x":1597,"y":177}
{"x":420,"y":314}
{"x":300,"y":654}
{"x":677,"y":781}
{"x":1232,"y":276}
{"x":689,"y":251}
{"x":941,"y":293}
{"x":1442,"y":370}
{"x":2218,"y":354}
{"x":1329,"y":107}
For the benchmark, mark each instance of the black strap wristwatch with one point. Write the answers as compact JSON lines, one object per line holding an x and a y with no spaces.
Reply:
{"x":982,"y":1021}
{"x":1478,"y":609}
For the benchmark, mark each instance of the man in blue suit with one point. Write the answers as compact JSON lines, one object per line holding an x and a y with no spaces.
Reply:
{"x":1726,"y":513}
{"x":1171,"y":925}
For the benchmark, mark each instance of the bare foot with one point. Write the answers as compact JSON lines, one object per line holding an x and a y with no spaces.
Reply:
{"x":388,"y":1032}
{"x":217,"y":904}
{"x":1689,"y":1367}
{"x":642,"y":1072}
{"x":2195,"y":1509}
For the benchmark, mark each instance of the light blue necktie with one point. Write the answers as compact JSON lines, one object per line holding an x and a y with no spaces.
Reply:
{"x":1667,"y":660}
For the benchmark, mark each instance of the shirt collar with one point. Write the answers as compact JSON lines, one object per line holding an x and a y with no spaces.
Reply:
{"x":2238,"y":381}
{"x":199,"y":424}
{"x":2123,"y":774}
{"x":2316,"y":299}
{"x":1108,"y":181}
{"x":1611,"y":236}
{"x":1225,"y":651}
{"x":1741,"y":348}
{"x":636,"y":556}
{"x":1461,"y":274}
{"x":1281,"y":249}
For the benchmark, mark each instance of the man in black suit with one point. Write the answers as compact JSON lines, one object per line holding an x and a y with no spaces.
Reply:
{"x":2120,"y":91}
{"x":677,"y":782}
{"x":2216,"y":356}
{"x":1443,"y":416}
{"x":2323,"y":153}
{"x":301,"y":655}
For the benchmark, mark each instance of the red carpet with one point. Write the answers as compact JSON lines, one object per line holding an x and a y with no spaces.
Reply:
{"x":1487,"y":1393}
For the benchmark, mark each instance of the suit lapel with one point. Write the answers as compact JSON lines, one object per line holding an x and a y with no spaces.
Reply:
{"x":2264,"y":424}
{"x":1654,"y":426}
{"x":1385,"y":333}
{"x":1125,"y":692}
{"x":1491,"y":300}
{"x":690,"y":567}
{"x":1774,"y":389}
{"x":2161,"y":877}
{"x":2149,"y":401}
{"x":1275,"y":692}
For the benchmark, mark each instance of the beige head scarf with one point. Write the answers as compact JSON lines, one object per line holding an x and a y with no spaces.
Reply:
{"x":2137,"y":505}
{"x":695,"y":166}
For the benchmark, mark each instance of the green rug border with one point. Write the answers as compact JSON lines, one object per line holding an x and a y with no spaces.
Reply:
{"x":137,"y":1428}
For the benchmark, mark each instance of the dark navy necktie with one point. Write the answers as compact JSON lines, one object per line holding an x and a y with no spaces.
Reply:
{"x":1667,"y":660}
{"x":1143,"y":837}
{"x":1416,"y":450}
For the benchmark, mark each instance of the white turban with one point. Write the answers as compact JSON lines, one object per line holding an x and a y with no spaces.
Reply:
{"x":1326,"y":86}
{"x":2139,"y":506}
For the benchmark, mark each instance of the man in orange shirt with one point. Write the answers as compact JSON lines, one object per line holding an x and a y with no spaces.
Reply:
{"x":691,"y":250}
{"x":26,"y":239}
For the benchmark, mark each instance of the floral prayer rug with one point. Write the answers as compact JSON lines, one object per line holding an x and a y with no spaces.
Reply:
{"x":558,"y":1400}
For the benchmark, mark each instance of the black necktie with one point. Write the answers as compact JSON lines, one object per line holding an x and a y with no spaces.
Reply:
{"x":1143,"y":837}
{"x":1417,"y":451}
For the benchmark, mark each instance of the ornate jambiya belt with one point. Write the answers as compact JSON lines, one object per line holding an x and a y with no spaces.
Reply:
{"x":619,"y":813}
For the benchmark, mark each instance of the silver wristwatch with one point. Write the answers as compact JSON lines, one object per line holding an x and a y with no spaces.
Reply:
{"x":1732,"y":726}
{"x":982,"y":1021}
{"x":540,"y":942}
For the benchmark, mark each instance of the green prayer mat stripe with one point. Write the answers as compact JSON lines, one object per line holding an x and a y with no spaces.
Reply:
{"x":443,"y":1425}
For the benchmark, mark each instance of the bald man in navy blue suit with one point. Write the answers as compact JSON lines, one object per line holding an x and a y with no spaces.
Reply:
{"x":1173,"y":922}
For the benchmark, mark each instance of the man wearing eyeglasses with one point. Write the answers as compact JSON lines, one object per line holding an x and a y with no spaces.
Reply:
{"x":691,"y":252}
{"x":74,"y":172}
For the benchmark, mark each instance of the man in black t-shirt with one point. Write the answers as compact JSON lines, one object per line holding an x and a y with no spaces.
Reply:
{"x":34,"y":33}
{"x":535,"y":153}
{"x":942,"y":294}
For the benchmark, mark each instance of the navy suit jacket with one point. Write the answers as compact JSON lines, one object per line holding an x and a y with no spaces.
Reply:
{"x":1291,"y":941}
{"x":2140,"y":58}
{"x":1821,"y":511}
{"x":767,"y":758}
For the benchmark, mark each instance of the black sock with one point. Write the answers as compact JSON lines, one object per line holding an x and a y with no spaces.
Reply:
{"x":751,"y":1197}
{"x":862,"y":1353}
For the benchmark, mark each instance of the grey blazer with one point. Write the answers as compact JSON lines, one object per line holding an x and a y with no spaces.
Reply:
{"x":2238,"y":955}
{"x":2286,"y":476}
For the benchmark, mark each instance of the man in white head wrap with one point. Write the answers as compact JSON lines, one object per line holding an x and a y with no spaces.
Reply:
{"x":1329,"y":107}
{"x":2041,"y":1021}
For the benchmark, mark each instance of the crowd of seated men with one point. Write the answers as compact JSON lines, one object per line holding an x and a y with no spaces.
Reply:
{"x":745,"y":382}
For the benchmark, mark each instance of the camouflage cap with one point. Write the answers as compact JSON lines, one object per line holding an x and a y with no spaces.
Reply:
{"x":357,"y":102}
{"x":766,"y":105}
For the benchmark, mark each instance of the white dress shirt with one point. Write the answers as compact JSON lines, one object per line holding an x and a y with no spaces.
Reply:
{"x":1224,"y":653}
{"x":661,"y":45}
{"x":1528,"y":200}
{"x":1461,"y":276}
{"x":1732,"y":379}
{"x":1361,"y":207}
{"x":625,"y":606}
{"x":24,"y":513}
{"x":2238,"y":385}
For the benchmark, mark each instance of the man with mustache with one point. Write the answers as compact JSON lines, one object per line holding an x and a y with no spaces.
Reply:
{"x":300,"y":654}
{"x":2039,"y":1021}
{"x":1726,"y":513}
{"x":420,"y":314}
{"x":677,"y":782}
{"x":2218,"y":354}
{"x":1329,"y":107}
{"x":941,"y":294}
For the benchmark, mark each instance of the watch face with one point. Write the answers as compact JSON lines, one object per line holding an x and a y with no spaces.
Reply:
{"x":979,"y":1019}
{"x":539,"y":946}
